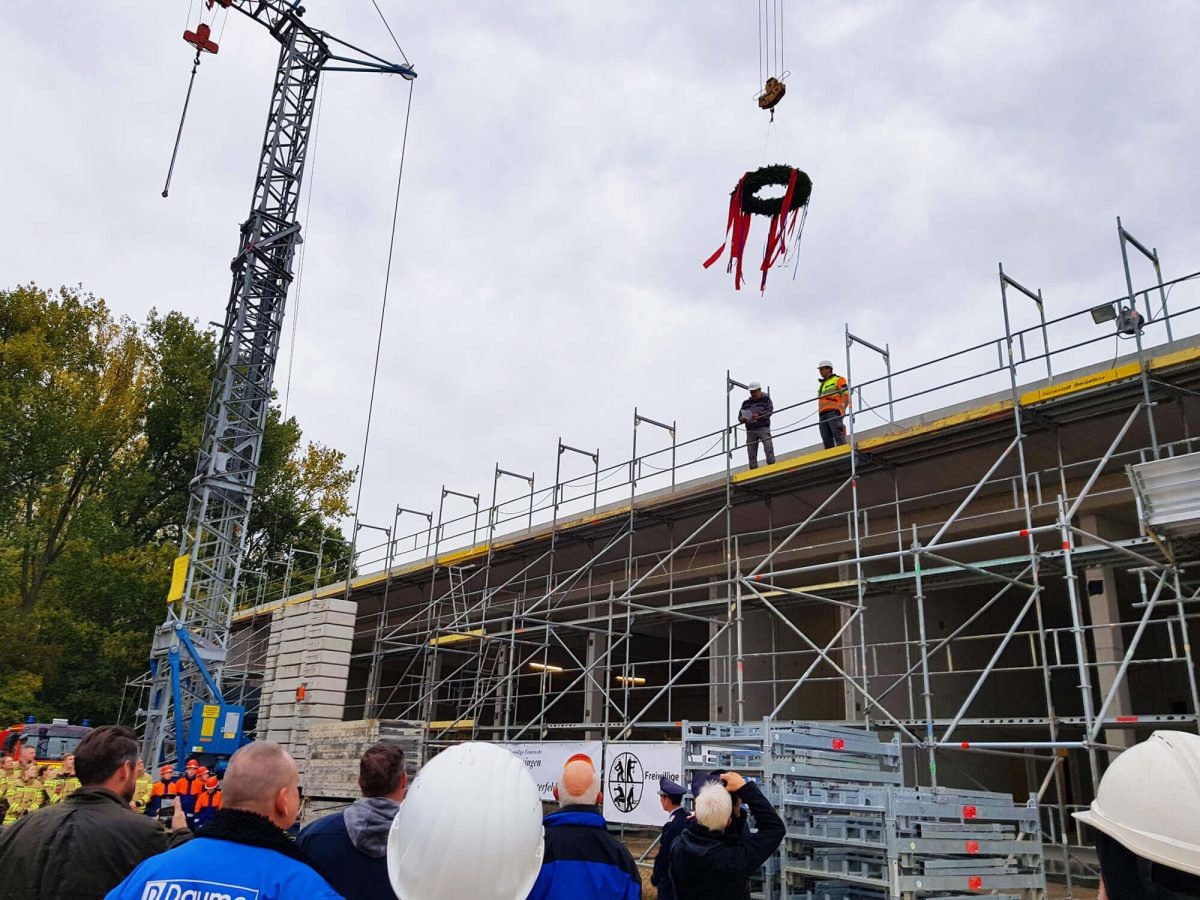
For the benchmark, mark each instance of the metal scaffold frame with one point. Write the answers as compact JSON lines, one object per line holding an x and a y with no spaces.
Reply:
{"x":498,"y":653}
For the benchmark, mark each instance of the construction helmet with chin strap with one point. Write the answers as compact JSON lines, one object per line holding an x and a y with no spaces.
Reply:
{"x":1148,"y":798}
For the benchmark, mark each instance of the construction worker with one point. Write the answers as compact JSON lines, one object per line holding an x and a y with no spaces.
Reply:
{"x":1144,"y":814}
{"x":755,"y":414}
{"x":142,"y":790}
{"x":208,"y":802}
{"x":670,"y":796}
{"x":160,"y":789}
{"x":187,"y":788}
{"x":833,"y":402}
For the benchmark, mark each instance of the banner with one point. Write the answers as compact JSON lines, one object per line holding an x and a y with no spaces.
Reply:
{"x":631,"y":773}
{"x":546,"y":759}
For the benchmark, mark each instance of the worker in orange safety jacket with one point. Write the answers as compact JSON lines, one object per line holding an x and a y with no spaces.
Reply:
{"x":208,"y":802}
{"x":187,"y":788}
{"x":160,"y":789}
{"x":833,"y":402}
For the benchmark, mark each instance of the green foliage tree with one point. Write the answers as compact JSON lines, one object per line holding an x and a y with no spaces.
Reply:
{"x":100,"y":424}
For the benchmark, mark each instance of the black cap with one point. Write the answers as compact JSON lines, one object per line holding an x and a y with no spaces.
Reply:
{"x":668,"y":788}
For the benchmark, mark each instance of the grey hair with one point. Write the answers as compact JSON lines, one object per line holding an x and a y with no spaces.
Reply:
{"x":714,"y":806}
{"x":587,"y":798}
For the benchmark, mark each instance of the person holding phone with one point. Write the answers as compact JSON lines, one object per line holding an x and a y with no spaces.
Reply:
{"x":715,"y":856}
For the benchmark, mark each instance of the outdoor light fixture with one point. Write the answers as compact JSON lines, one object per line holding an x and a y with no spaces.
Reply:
{"x":631,"y":679}
{"x":545,"y":667}
{"x":1105,"y":313}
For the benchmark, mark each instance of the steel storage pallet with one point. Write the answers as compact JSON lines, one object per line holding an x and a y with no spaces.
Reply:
{"x":855,"y":832}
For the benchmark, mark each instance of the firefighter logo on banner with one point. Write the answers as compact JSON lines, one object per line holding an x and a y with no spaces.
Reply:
{"x":626,"y":780}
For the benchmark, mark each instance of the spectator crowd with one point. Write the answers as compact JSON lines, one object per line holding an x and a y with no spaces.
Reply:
{"x":99,"y":829}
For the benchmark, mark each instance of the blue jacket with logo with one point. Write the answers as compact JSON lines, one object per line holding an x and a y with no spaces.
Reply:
{"x":582,"y":861}
{"x":239,"y":856}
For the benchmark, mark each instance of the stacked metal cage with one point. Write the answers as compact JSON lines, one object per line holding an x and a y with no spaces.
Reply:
{"x":855,"y":832}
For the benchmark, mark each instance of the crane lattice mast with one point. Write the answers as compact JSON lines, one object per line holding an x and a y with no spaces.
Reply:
{"x":190,"y":647}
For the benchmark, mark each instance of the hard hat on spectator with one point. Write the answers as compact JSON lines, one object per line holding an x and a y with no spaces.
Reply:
{"x":202,"y":771}
{"x":212,"y":783}
{"x":166,"y":770}
{"x":1147,"y":801}
{"x":475,"y":801}
{"x":754,"y":386}
{"x":824,"y":364}
{"x":192,"y":764}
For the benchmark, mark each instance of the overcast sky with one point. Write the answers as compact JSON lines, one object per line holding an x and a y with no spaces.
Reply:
{"x":568,"y":170}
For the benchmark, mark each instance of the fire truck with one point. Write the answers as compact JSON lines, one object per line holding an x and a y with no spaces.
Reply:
{"x":51,"y":742}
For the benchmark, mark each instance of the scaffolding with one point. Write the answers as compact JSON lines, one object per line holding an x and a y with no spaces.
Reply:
{"x":978,"y":583}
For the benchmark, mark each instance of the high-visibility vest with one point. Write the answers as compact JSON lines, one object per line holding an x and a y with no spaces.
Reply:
{"x":833,"y":395}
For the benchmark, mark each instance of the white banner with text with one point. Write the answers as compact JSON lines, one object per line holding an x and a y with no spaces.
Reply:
{"x":630,"y":780}
{"x":546,"y":759}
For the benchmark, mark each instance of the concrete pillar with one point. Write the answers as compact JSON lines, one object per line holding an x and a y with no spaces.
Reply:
{"x":852,"y":700}
{"x":593,"y":696}
{"x":1100,"y":590}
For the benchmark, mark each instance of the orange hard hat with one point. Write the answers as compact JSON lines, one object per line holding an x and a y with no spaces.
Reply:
{"x":202,"y":771}
{"x":166,"y":770}
{"x":191,"y":764}
{"x":212,"y":784}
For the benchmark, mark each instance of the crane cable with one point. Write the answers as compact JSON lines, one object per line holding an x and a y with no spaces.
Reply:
{"x":379,"y":337}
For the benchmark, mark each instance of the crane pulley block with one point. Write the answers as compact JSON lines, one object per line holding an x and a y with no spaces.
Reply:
{"x":201,"y":39}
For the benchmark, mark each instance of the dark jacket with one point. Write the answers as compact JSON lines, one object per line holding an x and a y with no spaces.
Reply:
{"x":582,"y":861}
{"x":661,"y":877}
{"x":80,"y":848}
{"x":239,"y":854}
{"x":710,"y":865}
{"x":350,"y":848}
{"x":763,"y":406}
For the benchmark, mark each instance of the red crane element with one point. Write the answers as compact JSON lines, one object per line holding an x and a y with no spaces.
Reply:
{"x":200,"y":39}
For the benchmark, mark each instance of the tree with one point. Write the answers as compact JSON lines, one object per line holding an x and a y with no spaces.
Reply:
{"x":72,"y":382}
{"x":100,"y":426}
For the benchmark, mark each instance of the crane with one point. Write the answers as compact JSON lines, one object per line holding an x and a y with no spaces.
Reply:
{"x":190,"y":647}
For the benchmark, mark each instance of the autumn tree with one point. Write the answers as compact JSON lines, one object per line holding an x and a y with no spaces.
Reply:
{"x":100,"y":426}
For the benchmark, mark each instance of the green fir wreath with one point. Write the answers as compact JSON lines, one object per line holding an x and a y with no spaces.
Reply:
{"x":781,"y":175}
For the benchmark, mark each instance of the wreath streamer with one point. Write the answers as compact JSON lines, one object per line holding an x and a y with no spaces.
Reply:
{"x":783,"y":212}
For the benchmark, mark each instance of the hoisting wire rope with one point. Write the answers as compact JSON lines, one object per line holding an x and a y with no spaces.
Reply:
{"x":387,"y":278}
{"x":312,"y":177}
{"x":383,"y":18}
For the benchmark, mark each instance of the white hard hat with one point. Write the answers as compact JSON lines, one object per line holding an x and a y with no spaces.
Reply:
{"x":1147,"y":800}
{"x":754,"y":386}
{"x":824,"y":364}
{"x":470,"y":827}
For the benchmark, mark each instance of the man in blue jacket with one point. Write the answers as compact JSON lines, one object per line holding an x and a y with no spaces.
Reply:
{"x":244,"y":851}
{"x":582,"y":861}
{"x":350,"y":846}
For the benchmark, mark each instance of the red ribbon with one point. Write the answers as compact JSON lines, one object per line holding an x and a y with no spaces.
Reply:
{"x":738,"y":225}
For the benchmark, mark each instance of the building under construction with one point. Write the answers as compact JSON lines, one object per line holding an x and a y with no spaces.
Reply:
{"x":995,"y":570}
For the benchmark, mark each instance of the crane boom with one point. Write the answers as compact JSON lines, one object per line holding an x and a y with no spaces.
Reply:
{"x":190,"y":647}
